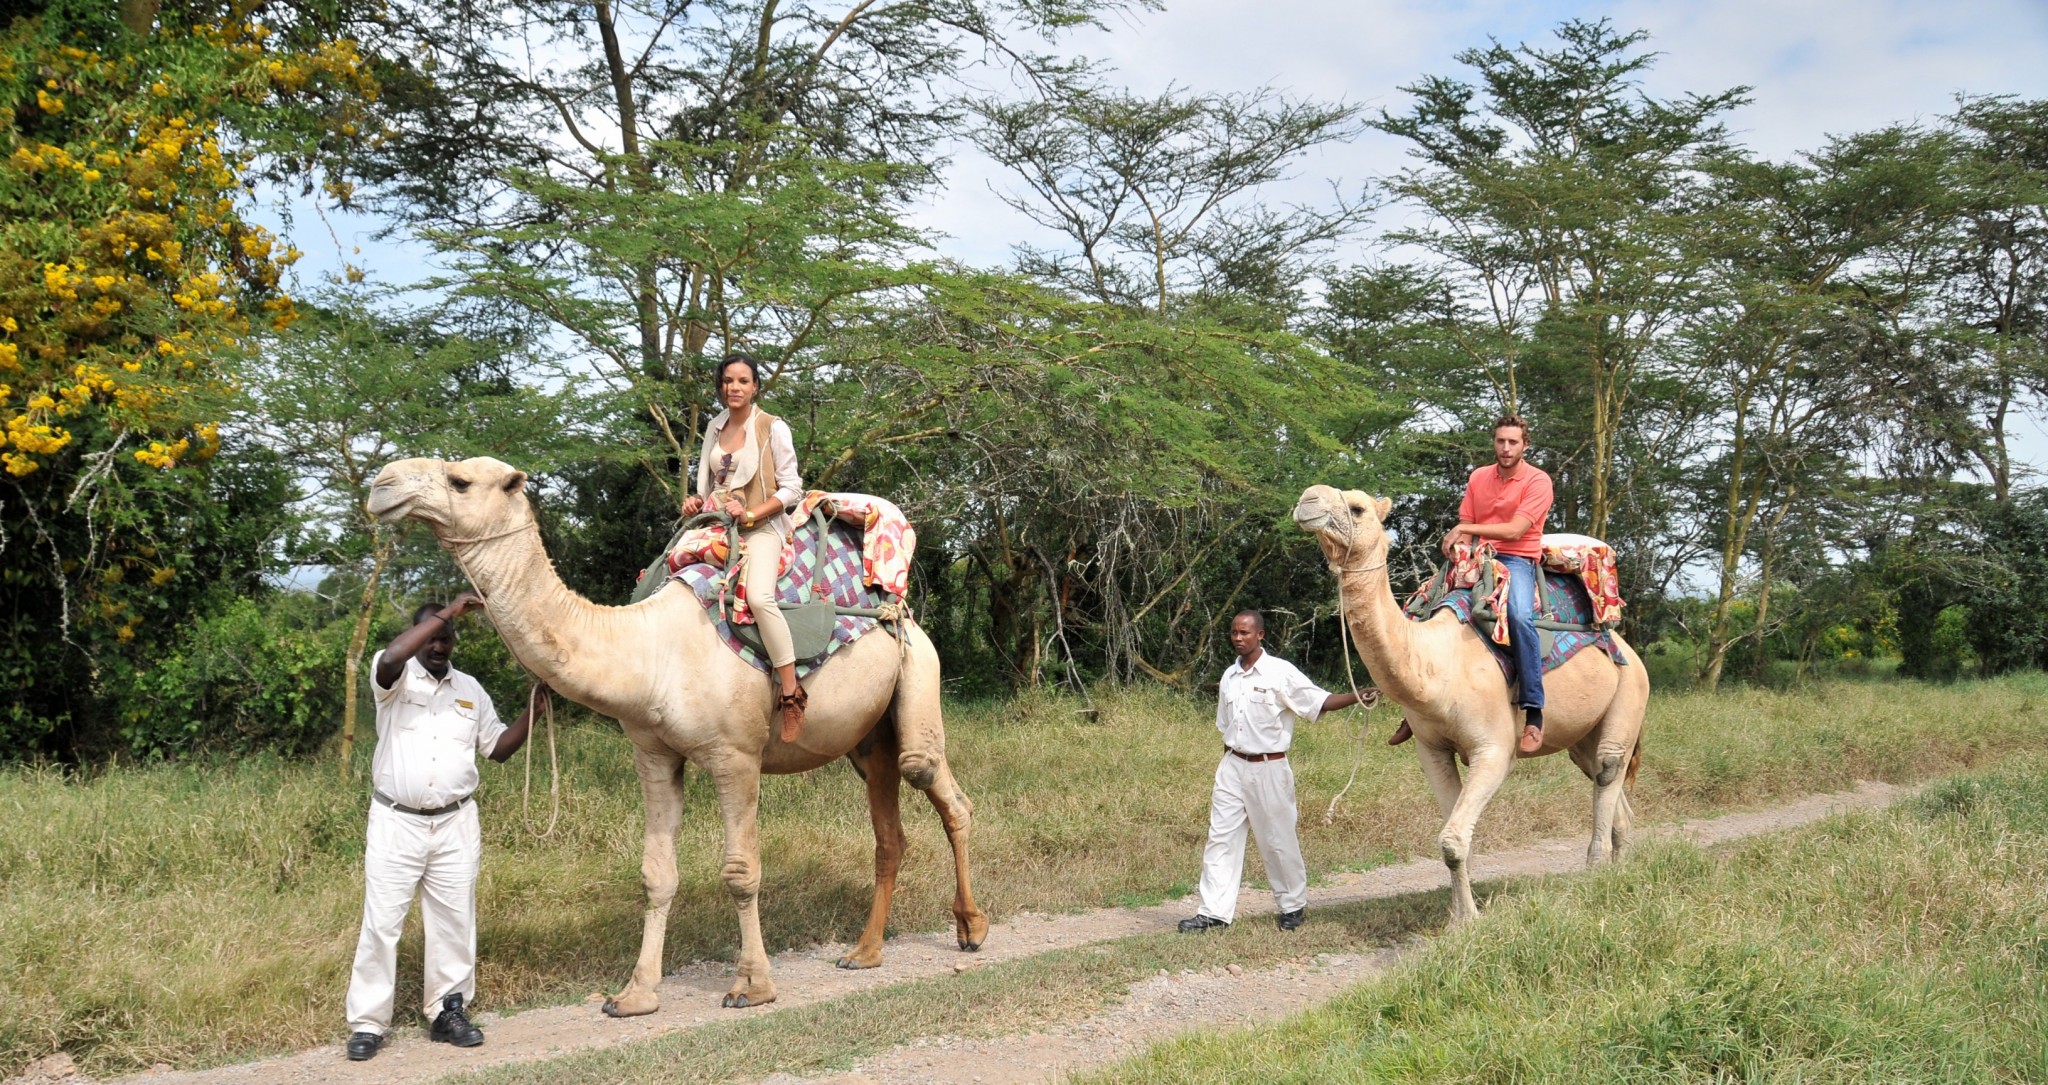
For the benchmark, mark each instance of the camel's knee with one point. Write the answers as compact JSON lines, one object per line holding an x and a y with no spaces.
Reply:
{"x":1455,"y":850}
{"x":919,"y":769}
{"x":659,"y":879}
{"x":742,"y":876}
{"x":1610,"y":766}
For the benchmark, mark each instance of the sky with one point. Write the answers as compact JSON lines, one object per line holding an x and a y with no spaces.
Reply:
{"x":1816,"y":67}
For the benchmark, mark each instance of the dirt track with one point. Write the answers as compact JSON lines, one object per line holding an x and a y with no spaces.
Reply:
{"x":1154,"y":1010}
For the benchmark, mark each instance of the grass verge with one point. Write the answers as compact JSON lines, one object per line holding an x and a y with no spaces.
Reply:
{"x":1904,"y":946}
{"x":1036,"y":992}
{"x":199,"y":914}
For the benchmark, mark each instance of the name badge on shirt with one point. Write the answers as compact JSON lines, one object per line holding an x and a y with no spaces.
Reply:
{"x":471,"y":705}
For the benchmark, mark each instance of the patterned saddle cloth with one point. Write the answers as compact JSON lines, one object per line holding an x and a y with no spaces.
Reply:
{"x":843,"y":582}
{"x":1563,"y":600}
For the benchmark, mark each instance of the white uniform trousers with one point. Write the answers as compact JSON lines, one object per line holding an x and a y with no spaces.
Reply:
{"x":438,"y":857}
{"x":1258,"y":795}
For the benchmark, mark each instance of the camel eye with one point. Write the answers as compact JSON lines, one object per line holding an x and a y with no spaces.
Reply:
{"x":1359,"y":509}
{"x":461,"y":484}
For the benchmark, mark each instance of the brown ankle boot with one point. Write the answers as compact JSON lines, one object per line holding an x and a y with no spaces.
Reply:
{"x":792,"y":705}
{"x":1401,"y":734}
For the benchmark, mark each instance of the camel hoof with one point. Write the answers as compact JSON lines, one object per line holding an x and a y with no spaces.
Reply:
{"x":612,"y":1008}
{"x":856,"y":960}
{"x":971,"y":947}
{"x":734,"y":1002}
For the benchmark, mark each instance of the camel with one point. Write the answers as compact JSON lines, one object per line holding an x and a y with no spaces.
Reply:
{"x":1456,"y":699}
{"x":659,"y":668}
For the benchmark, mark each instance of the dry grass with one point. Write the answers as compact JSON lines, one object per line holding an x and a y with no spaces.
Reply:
{"x":202,"y":914}
{"x":1902,"y":946}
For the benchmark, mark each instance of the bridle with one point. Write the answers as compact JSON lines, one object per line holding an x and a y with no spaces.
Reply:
{"x":445,"y":542}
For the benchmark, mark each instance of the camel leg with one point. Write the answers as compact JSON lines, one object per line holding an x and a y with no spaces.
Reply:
{"x":1489,"y":767}
{"x":661,"y":792}
{"x":876,"y":760}
{"x":1441,"y":769}
{"x":920,"y":722}
{"x":921,"y":739}
{"x":738,"y":780}
{"x":1607,"y":762}
{"x":956,"y":812}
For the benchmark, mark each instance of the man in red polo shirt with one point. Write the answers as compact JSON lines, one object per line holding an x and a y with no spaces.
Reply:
{"x":1505,"y":503}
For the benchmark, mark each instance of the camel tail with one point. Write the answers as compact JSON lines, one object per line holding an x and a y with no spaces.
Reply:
{"x":1635,"y":764}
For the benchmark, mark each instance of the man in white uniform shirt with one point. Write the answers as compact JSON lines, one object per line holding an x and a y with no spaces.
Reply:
{"x":432,"y":721}
{"x":1257,"y":703}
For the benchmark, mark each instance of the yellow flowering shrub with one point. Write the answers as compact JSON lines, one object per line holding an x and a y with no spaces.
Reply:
{"x":131,"y":281}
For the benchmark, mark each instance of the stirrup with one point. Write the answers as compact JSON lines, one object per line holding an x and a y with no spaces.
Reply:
{"x":792,"y":706}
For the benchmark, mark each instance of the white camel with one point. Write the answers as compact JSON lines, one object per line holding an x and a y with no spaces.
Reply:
{"x":1456,"y":698}
{"x":659,"y":667}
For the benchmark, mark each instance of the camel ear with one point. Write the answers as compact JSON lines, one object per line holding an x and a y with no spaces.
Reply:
{"x":1385,"y":506}
{"x":516,"y":482}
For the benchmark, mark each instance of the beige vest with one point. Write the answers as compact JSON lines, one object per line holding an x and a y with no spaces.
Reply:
{"x":761,"y":486}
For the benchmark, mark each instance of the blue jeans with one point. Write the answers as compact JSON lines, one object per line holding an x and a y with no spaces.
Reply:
{"x":1528,"y":647}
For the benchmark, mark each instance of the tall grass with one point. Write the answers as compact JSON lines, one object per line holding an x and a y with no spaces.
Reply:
{"x":1902,"y":946}
{"x":195,"y":914}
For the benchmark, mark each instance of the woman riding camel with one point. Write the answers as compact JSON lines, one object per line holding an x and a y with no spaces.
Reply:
{"x":748,"y":471}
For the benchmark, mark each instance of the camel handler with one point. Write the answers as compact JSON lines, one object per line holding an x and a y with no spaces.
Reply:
{"x":423,"y":834}
{"x":748,"y":471}
{"x":1257,"y":703}
{"x":1506,"y":503}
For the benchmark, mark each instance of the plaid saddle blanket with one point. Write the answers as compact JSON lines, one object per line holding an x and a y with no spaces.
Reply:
{"x":843,"y":582}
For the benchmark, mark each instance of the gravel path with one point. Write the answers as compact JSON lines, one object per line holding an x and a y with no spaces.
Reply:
{"x":1155,"y":1009}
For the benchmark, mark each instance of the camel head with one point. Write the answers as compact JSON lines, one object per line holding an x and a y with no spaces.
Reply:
{"x":1346,"y":524}
{"x":473,"y":499}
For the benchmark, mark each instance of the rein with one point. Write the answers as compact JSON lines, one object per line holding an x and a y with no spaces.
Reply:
{"x":1369,"y":698}
{"x":533,"y":701}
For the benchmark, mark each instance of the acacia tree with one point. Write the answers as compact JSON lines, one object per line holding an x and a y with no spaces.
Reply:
{"x":665,"y":181}
{"x":363,"y":381}
{"x":1818,"y":266}
{"x":1153,"y":192}
{"x":1566,"y":206}
{"x":1993,"y":303}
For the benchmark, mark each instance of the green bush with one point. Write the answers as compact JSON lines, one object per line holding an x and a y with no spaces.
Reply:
{"x":249,"y":678}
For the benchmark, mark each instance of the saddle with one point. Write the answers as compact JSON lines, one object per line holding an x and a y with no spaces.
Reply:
{"x":820,"y":601}
{"x":1568,"y":616}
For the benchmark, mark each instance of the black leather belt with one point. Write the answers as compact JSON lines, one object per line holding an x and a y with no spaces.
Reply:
{"x":1255,"y":756}
{"x":404,"y":809}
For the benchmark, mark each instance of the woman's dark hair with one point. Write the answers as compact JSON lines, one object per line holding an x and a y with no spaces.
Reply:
{"x":754,"y":367}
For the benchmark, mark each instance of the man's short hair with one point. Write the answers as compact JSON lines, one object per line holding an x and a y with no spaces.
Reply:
{"x":427,"y":610}
{"x":1515,"y":420}
{"x":1257,"y":618}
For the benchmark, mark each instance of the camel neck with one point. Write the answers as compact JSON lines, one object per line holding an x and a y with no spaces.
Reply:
{"x":551,"y":630}
{"x":1385,"y":636}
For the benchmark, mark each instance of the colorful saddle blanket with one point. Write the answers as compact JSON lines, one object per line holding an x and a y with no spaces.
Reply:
{"x":885,"y":546}
{"x":843,"y":584}
{"x":1563,"y":601}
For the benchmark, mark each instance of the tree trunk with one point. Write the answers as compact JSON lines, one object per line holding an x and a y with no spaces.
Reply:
{"x":380,"y":551}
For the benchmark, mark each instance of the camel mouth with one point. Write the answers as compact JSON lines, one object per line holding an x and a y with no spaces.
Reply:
{"x":387,"y":504}
{"x":1312,"y":516}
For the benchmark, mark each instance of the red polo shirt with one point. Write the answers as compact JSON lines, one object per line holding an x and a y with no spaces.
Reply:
{"x":1490,"y":499}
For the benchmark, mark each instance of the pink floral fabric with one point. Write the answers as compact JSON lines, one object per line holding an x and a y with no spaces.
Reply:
{"x":888,"y":542}
{"x":1591,"y":560}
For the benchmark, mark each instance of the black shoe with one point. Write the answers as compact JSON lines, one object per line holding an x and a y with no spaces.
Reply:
{"x":1201,"y":923}
{"x":453,"y":1026}
{"x":1292,"y":920}
{"x":363,"y":1045}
